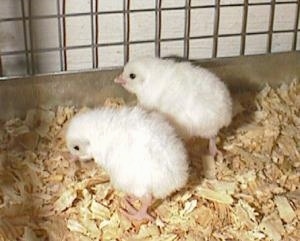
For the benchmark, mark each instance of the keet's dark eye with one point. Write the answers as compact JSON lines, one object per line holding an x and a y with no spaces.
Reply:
{"x":76,"y":148}
{"x":132,"y":76}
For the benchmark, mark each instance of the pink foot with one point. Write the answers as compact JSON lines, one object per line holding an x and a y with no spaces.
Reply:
{"x":213,"y":150}
{"x":133,"y":214}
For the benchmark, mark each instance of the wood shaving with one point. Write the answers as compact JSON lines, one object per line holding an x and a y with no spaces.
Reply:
{"x":272,"y":226}
{"x":114,"y":102}
{"x":216,"y":196}
{"x":285,"y":210}
{"x":249,"y":193}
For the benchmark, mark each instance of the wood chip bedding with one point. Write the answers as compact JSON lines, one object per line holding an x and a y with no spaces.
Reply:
{"x":249,"y":193}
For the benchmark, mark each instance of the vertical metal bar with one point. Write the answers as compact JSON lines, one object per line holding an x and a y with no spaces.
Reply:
{"x":157,"y":27}
{"x":126,"y":27}
{"x":64,"y":35}
{"x":296,"y":27}
{"x":1,"y":68}
{"x":97,"y":34}
{"x":244,"y":27}
{"x":92,"y":33}
{"x":59,"y":36}
{"x":216,"y":28}
{"x":187,"y":23}
{"x":25,"y":37}
{"x":31,"y":37}
{"x":271,"y":25}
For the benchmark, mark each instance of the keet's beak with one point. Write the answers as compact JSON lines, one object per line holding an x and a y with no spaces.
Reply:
{"x":74,"y":158}
{"x":70,"y":157}
{"x":120,"y":80}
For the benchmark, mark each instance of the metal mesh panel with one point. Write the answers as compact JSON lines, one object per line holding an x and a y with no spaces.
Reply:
{"x":30,"y":50}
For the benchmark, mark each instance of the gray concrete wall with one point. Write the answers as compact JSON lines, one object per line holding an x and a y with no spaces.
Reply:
{"x":92,"y":88}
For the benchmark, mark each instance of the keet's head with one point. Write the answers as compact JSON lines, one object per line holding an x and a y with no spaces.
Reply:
{"x":79,"y":149}
{"x":135,"y":74}
{"x":77,"y":139}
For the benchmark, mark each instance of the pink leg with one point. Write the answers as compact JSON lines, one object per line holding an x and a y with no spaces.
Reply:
{"x":133,"y":214}
{"x":213,"y":150}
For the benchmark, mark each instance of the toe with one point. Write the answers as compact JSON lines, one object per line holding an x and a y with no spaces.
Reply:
{"x":138,"y":216}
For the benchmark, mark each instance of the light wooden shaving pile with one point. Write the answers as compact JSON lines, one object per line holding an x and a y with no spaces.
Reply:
{"x":251,"y":192}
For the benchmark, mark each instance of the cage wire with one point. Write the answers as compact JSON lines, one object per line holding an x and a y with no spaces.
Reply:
{"x":24,"y":40}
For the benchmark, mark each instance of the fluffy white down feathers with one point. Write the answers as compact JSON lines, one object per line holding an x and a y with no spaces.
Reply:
{"x":195,"y":101}
{"x":139,"y":150}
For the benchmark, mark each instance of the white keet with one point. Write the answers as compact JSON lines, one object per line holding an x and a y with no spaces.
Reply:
{"x":194,"y":100}
{"x":139,"y":150}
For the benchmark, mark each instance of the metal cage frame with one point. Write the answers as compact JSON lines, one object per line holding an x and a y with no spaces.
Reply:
{"x":94,"y":14}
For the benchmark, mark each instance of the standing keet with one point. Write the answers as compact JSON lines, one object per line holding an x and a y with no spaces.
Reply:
{"x":193,"y":99}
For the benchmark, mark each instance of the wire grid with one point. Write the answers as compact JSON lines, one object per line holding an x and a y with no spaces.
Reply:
{"x":95,"y":12}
